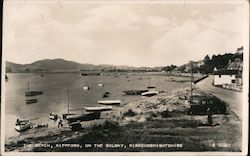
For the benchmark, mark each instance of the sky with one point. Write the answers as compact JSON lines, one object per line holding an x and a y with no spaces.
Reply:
{"x":142,"y":33}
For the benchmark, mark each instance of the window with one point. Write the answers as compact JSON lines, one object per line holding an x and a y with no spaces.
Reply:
{"x":233,"y":81}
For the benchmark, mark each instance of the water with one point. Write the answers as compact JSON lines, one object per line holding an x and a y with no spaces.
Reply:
{"x":54,"y":97}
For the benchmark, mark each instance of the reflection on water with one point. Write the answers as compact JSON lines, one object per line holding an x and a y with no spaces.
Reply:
{"x":54,"y":97}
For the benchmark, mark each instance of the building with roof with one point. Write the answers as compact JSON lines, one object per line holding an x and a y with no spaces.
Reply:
{"x":226,"y":77}
{"x":237,"y":64}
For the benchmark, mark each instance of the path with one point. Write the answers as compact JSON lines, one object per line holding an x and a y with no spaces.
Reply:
{"x":233,"y":98}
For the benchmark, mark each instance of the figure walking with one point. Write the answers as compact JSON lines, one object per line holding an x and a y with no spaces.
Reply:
{"x":60,"y":123}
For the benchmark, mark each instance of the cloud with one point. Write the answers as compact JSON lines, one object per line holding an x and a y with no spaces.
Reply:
{"x":192,"y":39}
{"x":157,"y":21}
{"x":229,"y":22}
{"x":117,"y":15}
{"x":141,"y":34}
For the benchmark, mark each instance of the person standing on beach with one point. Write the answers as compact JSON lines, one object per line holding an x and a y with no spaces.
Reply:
{"x":209,"y":116}
{"x":60,"y":123}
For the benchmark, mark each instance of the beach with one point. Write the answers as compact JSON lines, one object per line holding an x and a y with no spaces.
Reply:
{"x":158,"y":123}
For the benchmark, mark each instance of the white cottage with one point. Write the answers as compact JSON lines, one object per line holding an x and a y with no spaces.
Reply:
{"x":225,"y":77}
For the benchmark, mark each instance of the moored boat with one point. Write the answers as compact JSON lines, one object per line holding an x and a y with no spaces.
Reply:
{"x":150,"y":85}
{"x":32,"y":93}
{"x":22,"y":125}
{"x":85,"y":87}
{"x":110,"y":102}
{"x":100,"y":84}
{"x":29,"y":101}
{"x":134,"y":92}
{"x":150,"y":93}
{"x":98,"y":108}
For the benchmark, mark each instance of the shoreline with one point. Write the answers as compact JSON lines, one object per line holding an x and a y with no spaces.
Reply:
{"x":167,"y":108}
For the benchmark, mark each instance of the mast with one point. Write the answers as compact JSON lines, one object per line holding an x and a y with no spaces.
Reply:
{"x":192,"y":77}
{"x":68,"y":100}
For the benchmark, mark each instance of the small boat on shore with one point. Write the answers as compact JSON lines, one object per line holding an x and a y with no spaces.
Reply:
{"x":150,"y":93}
{"x":98,"y":108}
{"x":40,"y":125}
{"x":134,"y":92}
{"x":110,"y":102}
{"x":22,"y":125}
{"x":83,"y":116}
{"x":74,"y":126}
{"x":53,"y":116}
{"x":29,"y":101}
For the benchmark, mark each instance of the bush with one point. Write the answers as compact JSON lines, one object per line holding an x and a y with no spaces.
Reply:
{"x":129,"y":113}
{"x":166,"y":114}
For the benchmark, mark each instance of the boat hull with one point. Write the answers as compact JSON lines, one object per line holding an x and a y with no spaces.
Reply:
{"x":33,"y":93}
{"x":31,"y":101}
{"x":110,"y":102}
{"x":98,"y":108}
{"x":150,"y":93}
{"x":83,"y":116}
{"x":23,"y":127}
{"x":134,"y":92}
{"x":85,"y":87}
{"x":100,"y":85}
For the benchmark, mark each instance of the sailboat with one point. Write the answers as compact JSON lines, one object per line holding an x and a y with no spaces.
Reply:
{"x":100,"y":84}
{"x":85,"y":87}
{"x":32,"y":93}
{"x":80,"y":116}
{"x":150,"y":85}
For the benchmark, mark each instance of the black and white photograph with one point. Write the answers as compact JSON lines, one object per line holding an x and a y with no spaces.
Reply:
{"x":134,"y":77}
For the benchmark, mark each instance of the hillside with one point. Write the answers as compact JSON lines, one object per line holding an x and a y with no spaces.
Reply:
{"x":216,"y":61}
{"x":48,"y":65}
{"x":203,"y":66}
{"x":55,"y":65}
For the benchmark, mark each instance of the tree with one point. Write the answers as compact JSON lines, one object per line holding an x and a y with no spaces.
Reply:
{"x":206,"y":59}
{"x":169,"y":68}
{"x":8,"y":70}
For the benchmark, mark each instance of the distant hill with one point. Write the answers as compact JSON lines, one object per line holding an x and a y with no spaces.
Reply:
{"x":48,"y":65}
{"x":204,"y":66}
{"x":57,"y":65}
